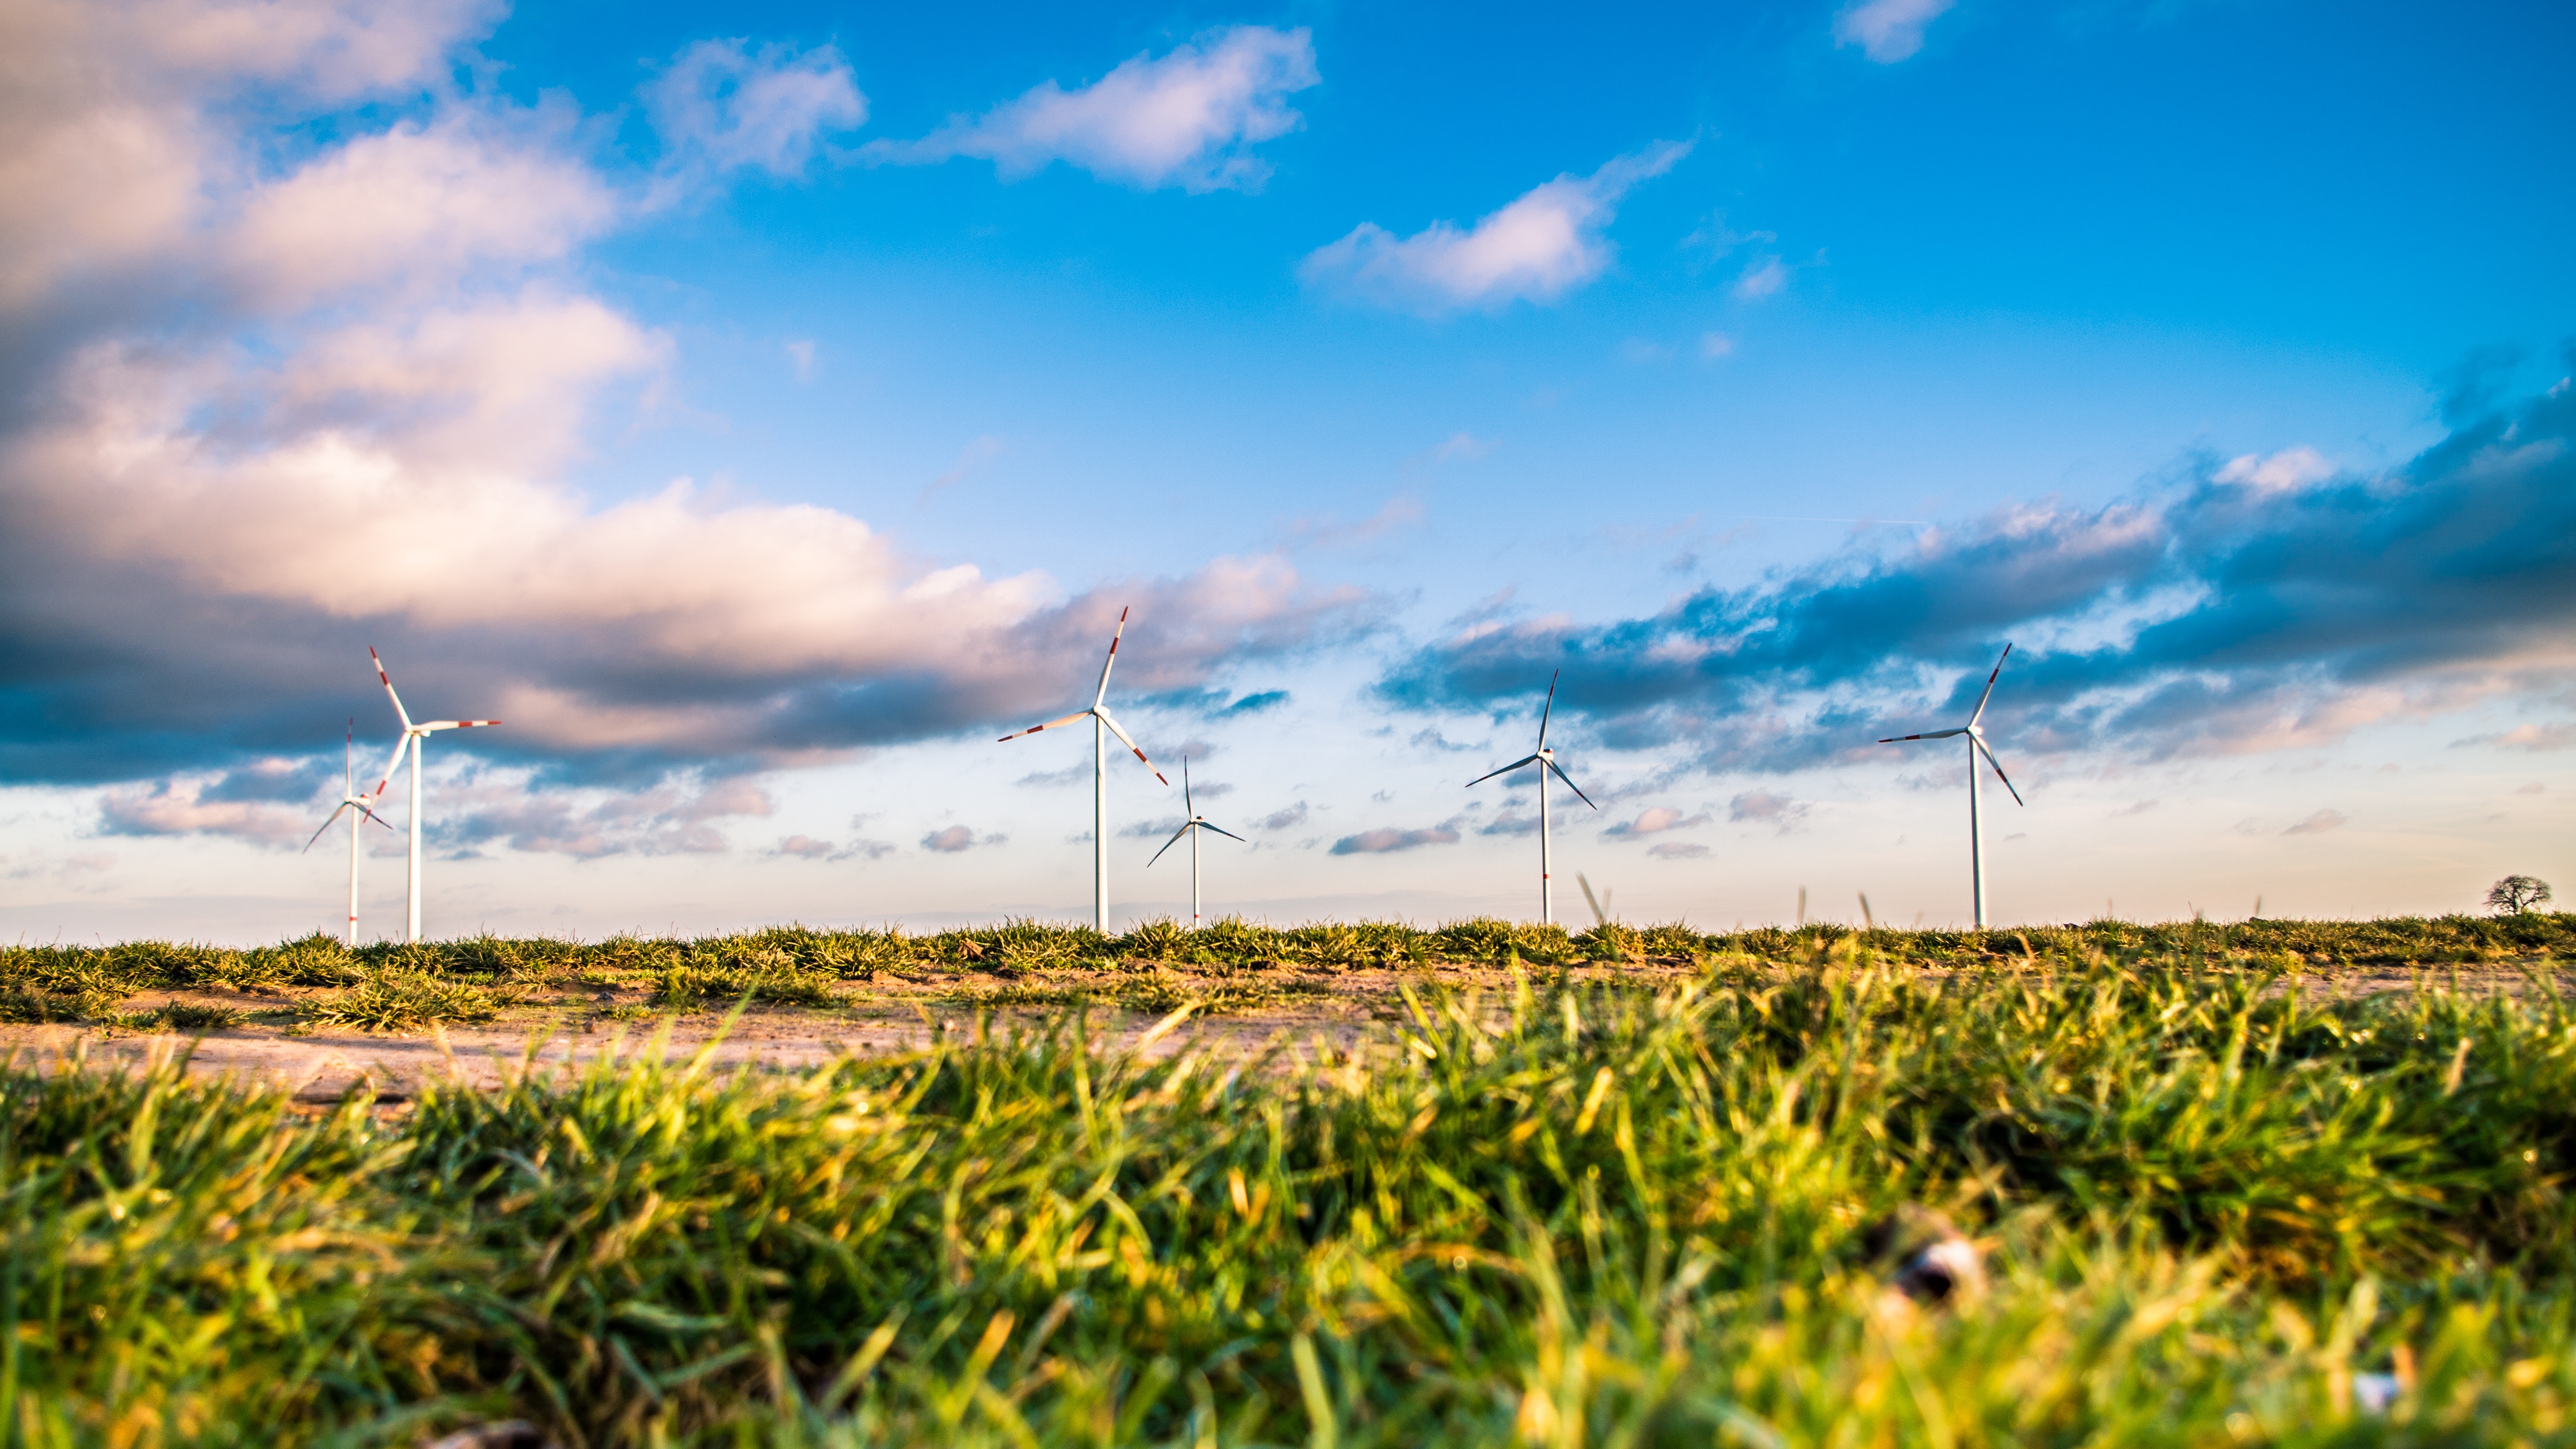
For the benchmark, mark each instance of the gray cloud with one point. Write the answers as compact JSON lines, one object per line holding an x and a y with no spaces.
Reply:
{"x":1387,"y":839}
{"x":956,"y":838}
{"x":2262,"y":603}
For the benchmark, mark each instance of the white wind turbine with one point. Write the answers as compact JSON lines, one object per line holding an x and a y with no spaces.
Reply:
{"x":413,"y":738}
{"x":350,"y":799}
{"x":1976,"y":746}
{"x":1545,"y":759}
{"x":1098,"y":714}
{"x":1190,"y":828}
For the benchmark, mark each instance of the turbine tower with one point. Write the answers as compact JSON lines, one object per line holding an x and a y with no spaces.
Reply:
{"x":350,"y":799}
{"x":1098,"y":714}
{"x":1976,"y":746}
{"x":414,"y":736}
{"x":1190,"y":828}
{"x":1545,"y":759}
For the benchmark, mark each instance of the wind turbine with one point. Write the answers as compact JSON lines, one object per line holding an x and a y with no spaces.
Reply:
{"x":413,"y":738}
{"x":1545,"y":759}
{"x":1195,"y":823}
{"x":1098,"y":714}
{"x":1976,"y":746}
{"x":350,"y":799}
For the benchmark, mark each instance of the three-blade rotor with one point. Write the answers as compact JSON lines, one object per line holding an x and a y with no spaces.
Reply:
{"x":1099,"y":708}
{"x":1196,"y":820}
{"x":1543,"y":757}
{"x":411,"y":731}
{"x":349,"y":795}
{"x":1973,"y":730}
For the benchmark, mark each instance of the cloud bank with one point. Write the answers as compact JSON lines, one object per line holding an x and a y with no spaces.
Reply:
{"x":2266,"y":603}
{"x":294,"y":377}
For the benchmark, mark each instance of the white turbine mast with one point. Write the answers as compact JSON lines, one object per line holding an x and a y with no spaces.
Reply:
{"x":350,"y":800}
{"x":1545,"y":759}
{"x":1976,"y":746}
{"x":414,"y":736}
{"x":1191,"y":827}
{"x":1099,"y":716}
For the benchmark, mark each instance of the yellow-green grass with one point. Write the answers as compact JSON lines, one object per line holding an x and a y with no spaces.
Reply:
{"x":1230,"y":963}
{"x":1555,"y":1214}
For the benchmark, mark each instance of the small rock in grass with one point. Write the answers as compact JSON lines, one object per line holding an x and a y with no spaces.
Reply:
{"x":507,"y":1434}
{"x":1925,"y":1256}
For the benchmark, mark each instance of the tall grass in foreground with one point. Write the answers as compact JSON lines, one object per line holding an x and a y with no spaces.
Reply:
{"x":1546,"y":1216}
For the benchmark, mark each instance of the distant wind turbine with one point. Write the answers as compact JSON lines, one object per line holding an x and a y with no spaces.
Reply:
{"x":1976,"y":746}
{"x":413,"y":738}
{"x":1190,"y":828}
{"x":350,"y":800}
{"x":1098,"y":714}
{"x":1545,"y":759}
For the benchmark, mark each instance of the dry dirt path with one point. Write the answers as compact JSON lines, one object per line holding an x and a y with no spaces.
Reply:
{"x":319,"y":1066}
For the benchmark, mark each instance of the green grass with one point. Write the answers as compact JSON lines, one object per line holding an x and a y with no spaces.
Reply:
{"x":796,"y":965}
{"x":1549,"y":1214}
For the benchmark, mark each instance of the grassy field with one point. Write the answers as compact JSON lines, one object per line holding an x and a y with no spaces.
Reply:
{"x":1558,"y":1212}
{"x":1230,"y":965}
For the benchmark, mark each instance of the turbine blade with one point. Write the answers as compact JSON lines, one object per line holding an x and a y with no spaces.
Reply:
{"x":1187,"y":808}
{"x":371,"y":815}
{"x":1050,"y":724}
{"x":388,"y":681}
{"x":391,"y":765}
{"x":1548,"y":709}
{"x":1598,"y":918}
{"x":1569,"y":783}
{"x":1935,"y":735}
{"x":326,"y":824}
{"x":1999,"y":772}
{"x":1129,"y":743}
{"x":456,"y":724}
{"x":1990,"y":686}
{"x":349,"y":756}
{"x":1168,"y":844}
{"x":1111,"y":662}
{"x":1505,"y":770}
{"x":1221,"y":830}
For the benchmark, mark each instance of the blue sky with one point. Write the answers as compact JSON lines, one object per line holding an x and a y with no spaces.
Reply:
{"x":762,"y":416}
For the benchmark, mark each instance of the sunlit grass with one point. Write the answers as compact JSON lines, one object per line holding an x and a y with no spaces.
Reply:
{"x":1544,"y":1214}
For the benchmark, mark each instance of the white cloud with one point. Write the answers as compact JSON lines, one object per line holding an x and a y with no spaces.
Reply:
{"x":721,"y":105}
{"x":2285,"y":471}
{"x":1765,"y":277}
{"x":2319,"y":823}
{"x":1188,"y":119}
{"x":1716,"y":344}
{"x":1655,"y":821}
{"x":419,"y":205}
{"x":106,"y":150}
{"x":800,"y":357}
{"x":1540,"y":246}
{"x":1888,"y":30}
